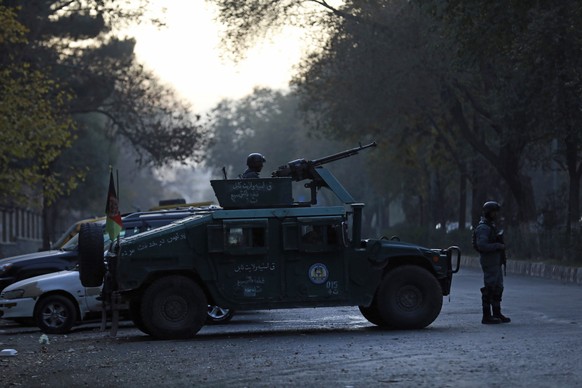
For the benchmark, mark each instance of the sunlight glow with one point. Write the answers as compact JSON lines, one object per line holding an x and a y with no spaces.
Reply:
{"x":186,"y":55}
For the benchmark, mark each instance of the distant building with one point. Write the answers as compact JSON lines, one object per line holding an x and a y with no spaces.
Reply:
{"x":20,"y":231}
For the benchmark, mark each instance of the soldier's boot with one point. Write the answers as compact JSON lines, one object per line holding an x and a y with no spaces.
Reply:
{"x":496,"y":305}
{"x":487,"y":319}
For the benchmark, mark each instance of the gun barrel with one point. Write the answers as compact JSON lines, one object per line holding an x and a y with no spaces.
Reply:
{"x":341,"y":155}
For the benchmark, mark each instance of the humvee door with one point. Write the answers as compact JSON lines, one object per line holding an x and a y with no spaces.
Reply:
{"x":314,"y":261}
{"x":241,"y":255}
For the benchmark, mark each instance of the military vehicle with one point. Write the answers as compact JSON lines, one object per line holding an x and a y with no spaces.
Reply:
{"x":263,"y":250}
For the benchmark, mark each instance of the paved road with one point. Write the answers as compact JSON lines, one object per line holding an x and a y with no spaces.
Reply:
{"x":542,"y":347}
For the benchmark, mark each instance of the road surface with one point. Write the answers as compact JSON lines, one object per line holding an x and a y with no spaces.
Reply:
{"x":542,"y":347}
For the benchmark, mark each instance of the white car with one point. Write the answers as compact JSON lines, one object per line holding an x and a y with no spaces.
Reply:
{"x":57,"y":301}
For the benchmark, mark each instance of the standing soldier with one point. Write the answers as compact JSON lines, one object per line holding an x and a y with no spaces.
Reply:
{"x":487,"y":242}
{"x":255,"y":165}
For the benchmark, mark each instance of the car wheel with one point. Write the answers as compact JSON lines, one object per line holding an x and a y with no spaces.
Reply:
{"x":173,"y":307}
{"x":55,"y":314}
{"x":91,"y":264}
{"x":217,"y":315}
{"x":409,"y":297}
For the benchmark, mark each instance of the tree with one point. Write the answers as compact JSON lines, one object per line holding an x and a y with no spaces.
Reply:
{"x":378,"y":74}
{"x":76,"y":40}
{"x":488,"y":86}
{"x":546,"y":46}
{"x":74,"y":45}
{"x":34,"y":125}
{"x":528,"y":47}
{"x":265,"y":121}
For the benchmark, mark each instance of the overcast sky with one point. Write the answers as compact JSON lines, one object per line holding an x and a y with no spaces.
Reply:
{"x":186,"y":54}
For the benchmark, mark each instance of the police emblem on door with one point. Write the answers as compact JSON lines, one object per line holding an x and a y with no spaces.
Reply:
{"x":318,"y":273}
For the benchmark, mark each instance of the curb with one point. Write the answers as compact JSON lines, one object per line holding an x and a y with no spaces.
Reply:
{"x":539,"y":270}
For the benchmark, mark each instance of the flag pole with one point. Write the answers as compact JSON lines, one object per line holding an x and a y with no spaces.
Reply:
{"x":118,"y":189}
{"x":118,"y":196}
{"x":113,"y":224}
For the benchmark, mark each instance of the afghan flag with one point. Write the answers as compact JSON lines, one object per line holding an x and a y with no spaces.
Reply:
{"x":113,"y":225}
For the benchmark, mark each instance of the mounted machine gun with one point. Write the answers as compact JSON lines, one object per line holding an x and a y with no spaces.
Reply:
{"x":301,"y":169}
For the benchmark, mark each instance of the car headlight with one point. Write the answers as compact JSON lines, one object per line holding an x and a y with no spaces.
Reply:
{"x":5,"y":267}
{"x":12,"y":294}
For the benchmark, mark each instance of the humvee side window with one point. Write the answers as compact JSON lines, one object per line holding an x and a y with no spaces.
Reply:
{"x":313,"y":236}
{"x":246,"y":237}
{"x":234,"y":237}
{"x":242,"y":237}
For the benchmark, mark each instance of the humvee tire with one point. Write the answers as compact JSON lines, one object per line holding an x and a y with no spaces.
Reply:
{"x":372,"y":314}
{"x":91,"y":264}
{"x":135,"y":314}
{"x":409,"y":297}
{"x":173,"y":307}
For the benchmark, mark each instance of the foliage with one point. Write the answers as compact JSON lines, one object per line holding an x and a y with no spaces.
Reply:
{"x":461,"y":90}
{"x":263,"y":122}
{"x":148,"y":116}
{"x":11,"y":31}
{"x":374,"y":78}
{"x":65,"y":64}
{"x":91,"y":152}
{"x":77,"y":42}
{"x":528,"y":62}
{"x":34,"y":124}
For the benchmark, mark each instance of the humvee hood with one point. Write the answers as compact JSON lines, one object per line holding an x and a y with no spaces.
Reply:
{"x":160,"y":237}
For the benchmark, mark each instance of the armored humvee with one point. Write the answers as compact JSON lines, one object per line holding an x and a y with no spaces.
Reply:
{"x":262,"y":250}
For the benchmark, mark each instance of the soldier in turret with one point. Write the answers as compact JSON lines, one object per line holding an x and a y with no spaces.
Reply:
{"x":255,"y":165}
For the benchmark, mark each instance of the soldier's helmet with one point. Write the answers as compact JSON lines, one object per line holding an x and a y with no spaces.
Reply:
{"x":490,"y":207}
{"x":255,"y":161}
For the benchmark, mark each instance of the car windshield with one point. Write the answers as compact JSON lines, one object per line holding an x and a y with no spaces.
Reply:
{"x":73,"y":243}
{"x":133,"y":228}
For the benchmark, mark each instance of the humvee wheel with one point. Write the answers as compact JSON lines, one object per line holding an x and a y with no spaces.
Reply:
{"x":372,"y":314}
{"x":409,"y":297}
{"x":135,"y":314}
{"x":173,"y":307}
{"x":91,"y":264}
{"x":217,"y":315}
